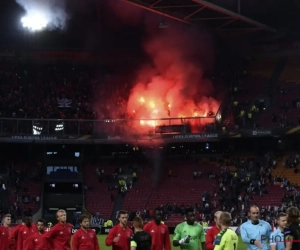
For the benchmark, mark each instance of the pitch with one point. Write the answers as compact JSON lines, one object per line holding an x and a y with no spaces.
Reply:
{"x":101,"y":239}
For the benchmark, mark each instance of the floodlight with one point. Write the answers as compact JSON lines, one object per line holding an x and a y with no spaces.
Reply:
{"x":34,"y":21}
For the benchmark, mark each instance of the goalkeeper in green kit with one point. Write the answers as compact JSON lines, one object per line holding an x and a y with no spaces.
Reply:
{"x":189,"y":235}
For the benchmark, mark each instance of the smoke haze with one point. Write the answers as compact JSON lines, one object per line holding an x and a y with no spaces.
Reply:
{"x":173,"y":83}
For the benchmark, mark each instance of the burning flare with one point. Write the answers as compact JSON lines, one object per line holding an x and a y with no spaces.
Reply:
{"x":174,"y":85}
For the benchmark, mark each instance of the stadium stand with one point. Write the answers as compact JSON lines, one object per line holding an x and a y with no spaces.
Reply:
{"x":291,"y":73}
{"x":286,"y":101}
{"x":137,"y":198}
{"x":183,"y":183}
{"x":263,"y":67}
{"x":274,"y":195}
{"x":45,"y":91}
{"x":25,"y":188}
{"x":183,"y":187}
{"x":97,"y":194}
{"x":287,"y":171}
{"x":222,"y":184}
{"x":248,"y":90}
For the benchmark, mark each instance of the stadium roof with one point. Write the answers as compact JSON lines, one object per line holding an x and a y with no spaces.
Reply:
{"x":200,"y":11}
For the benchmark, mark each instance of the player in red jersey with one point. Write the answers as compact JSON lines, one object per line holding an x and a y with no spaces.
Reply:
{"x":85,"y":238}
{"x":119,"y":236}
{"x":213,"y":231}
{"x":4,"y":232}
{"x":25,"y":233}
{"x":158,"y":231}
{"x":13,"y":237}
{"x":38,"y":242}
{"x":60,"y":234}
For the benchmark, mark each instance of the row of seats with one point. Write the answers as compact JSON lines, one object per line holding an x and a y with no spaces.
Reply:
{"x":282,"y":170}
{"x":186,"y":190}
{"x":263,"y":67}
{"x":179,"y":189}
{"x":291,"y":73}
{"x":30,"y":186}
{"x":97,"y":196}
{"x":285,"y":94}
{"x":250,"y":88}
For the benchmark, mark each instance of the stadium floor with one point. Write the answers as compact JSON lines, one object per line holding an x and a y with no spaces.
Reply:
{"x":101,"y":238}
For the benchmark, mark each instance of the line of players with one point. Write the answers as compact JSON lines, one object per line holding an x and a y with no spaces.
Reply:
{"x":29,"y":236}
{"x":188,"y":235}
{"x":255,"y":233}
{"x":153,"y":236}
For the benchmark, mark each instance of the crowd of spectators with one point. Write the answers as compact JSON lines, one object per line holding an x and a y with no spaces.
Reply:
{"x":60,"y":91}
{"x":19,"y":176}
{"x":284,"y":106}
{"x":63,"y":91}
{"x":234,"y":190}
{"x":246,"y":108}
{"x":48,"y":91}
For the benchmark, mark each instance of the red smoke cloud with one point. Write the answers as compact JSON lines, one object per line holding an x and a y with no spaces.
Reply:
{"x":174,"y":86}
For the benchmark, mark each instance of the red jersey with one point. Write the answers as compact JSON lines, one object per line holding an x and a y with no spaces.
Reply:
{"x":24,"y":237}
{"x":60,"y":236}
{"x":13,"y":237}
{"x":160,"y":235}
{"x":38,"y":242}
{"x":85,"y":240}
{"x":210,"y":237}
{"x":123,"y":233}
{"x":4,"y":238}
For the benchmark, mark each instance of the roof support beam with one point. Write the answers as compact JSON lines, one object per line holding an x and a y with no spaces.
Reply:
{"x":210,"y":18}
{"x":173,"y":6}
{"x":234,"y":15}
{"x":193,"y":13}
{"x":241,"y":29}
{"x":141,"y":5}
{"x":152,"y":5}
{"x":224,"y":24}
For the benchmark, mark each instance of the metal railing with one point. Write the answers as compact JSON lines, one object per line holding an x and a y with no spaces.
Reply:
{"x":95,"y":127}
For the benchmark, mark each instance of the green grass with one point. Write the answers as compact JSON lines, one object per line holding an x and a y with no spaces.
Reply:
{"x":101,"y":239}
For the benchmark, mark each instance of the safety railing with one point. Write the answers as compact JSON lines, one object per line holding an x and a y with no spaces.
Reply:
{"x":104,"y":126}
